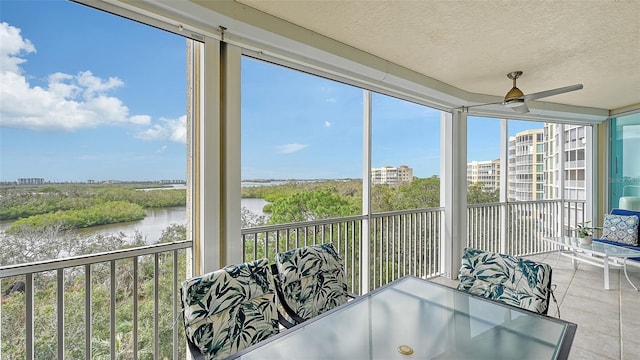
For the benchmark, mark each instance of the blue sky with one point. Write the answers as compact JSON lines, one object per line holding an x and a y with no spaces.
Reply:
{"x":88,"y":95}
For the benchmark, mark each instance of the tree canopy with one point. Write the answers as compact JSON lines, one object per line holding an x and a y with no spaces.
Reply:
{"x":309,"y":205}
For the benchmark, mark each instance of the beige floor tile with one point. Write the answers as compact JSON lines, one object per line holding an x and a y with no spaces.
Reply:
{"x":577,"y":353}
{"x":631,"y":349}
{"x":598,"y":343}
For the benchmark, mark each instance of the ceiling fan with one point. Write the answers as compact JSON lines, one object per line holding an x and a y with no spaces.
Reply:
{"x":515,"y":98}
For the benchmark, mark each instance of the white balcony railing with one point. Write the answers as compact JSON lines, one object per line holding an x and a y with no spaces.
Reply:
{"x":131,"y":294}
{"x":517,"y":228}
{"x":134,"y":292}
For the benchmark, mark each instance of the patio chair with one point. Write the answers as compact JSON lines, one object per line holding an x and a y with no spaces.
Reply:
{"x":310,"y":281}
{"x":230,"y":309}
{"x":514,"y":281}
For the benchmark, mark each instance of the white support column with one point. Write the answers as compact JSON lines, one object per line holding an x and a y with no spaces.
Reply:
{"x":365,"y":267}
{"x":206,"y":160}
{"x":230,"y":176}
{"x":453,"y":190}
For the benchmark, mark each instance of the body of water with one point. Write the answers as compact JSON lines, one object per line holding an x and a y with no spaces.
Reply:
{"x":154,"y":223}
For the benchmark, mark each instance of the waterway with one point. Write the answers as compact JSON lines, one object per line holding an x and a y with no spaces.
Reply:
{"x":154,"y":223}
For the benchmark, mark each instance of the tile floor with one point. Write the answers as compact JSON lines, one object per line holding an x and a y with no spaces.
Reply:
{"x":608,"y":321}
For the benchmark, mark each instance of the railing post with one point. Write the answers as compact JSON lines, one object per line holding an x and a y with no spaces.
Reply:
{"x":112,"y":310}
{"x":28,"y":298}
{"x":505,"y":215}
{"x":0,"y":321}
{"x":135,"y":308}
{"x":87,"y":312}
{"x":60,"y":311}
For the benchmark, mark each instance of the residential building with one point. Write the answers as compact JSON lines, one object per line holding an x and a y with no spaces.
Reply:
{"x":526,"y":166}
{"x":561,"y":148}
{"x":565,"y":152}
{"x":30,"y":181}
{"x":391,"y":175}
{"x":487,"y":172}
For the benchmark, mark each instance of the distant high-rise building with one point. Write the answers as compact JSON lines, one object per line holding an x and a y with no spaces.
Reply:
{"x":526,"y":166}
{"x":568,"y":158}
{"x":391,"y":175}
{"x":537,"y":160}
{"x":30,"y":181}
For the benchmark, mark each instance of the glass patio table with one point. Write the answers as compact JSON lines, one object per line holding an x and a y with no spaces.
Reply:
{"x":412,"y":318}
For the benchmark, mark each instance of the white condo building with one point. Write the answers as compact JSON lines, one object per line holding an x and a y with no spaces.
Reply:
{"x":526,"y":166}
{"x":565,"y":153}
{"x":486,"y":172}
{"x":542,"y":164}
{"x":390,"y":175}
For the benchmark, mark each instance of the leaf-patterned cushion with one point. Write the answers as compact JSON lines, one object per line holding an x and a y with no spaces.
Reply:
{"x":514,"y":281}
{"x":230,"y":309}
{"x":620,"y":228}
{"x":312,"y":279}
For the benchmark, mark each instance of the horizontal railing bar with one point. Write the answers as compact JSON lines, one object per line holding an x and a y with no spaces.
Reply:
{"x":516,"y":203}
{"x":406,"y":212}
{"x":48,"y":265}
{"x":288,"y":226}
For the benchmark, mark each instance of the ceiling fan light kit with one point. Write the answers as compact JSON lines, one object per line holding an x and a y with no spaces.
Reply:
{"x":513,"y":102}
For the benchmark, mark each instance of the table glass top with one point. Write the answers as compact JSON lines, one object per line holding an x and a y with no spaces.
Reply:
{"x":416,"y":319}
{"x":595,"y":247}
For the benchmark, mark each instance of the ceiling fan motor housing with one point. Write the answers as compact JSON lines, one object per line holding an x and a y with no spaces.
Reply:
{"x":512,"y":97}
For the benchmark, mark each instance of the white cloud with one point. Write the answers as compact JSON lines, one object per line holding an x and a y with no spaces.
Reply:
{"x":291,"y":148}
{"x":174,"y":130}
{"x":327,"y":124}
{"x":331,"y":100}
{"x":162,"y":149}
{"x":140,"y":119}
{"x":68,"y":102}
{"x":12,"y":45}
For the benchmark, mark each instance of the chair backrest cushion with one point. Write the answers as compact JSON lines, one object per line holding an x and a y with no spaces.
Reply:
{"x":312,"y":279}
{"x":511,"y":280}
{"x":625,"y":212}
{"x":620,"y":228}
{"x":230,"y":309}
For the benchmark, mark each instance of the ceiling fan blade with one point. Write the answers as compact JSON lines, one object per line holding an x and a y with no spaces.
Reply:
{"x":553,"y":92}
{"x":472,"y":106}
{"x":521,"y":109}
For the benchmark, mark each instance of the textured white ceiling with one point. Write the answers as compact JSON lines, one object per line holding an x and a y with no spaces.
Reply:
{"x":472,"y":45}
